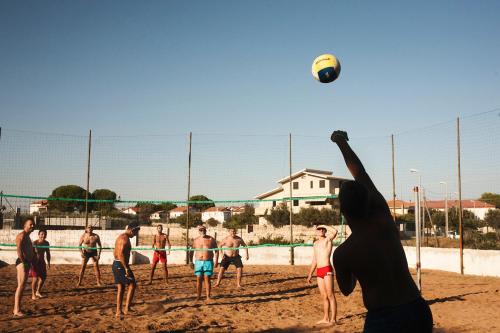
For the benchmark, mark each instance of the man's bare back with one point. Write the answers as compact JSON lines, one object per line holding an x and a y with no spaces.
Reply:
{"x":122,"y":248}
{"x":26,"y":247}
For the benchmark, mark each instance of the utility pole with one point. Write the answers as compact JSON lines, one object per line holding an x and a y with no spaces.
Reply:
{"x":188,"y":195}
{"x":460,"y":229}
{"x":88,"y":181}
{"x":292,"y":258}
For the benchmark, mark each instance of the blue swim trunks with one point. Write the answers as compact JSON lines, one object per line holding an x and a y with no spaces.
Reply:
{"x":203,"y":267}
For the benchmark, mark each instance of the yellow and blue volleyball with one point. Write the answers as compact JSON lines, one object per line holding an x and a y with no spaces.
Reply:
{"x":326,"y":68}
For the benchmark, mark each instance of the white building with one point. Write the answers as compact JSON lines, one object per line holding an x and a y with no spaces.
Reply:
{"x":237,"y":210}
{"x":307,"y":183}
{"x":38,"y":206}
{"x":130,"y":210}
{"x":400,"y":207}
{"x":221,"y":214}
{"x":156,"y":215}
{"x":178,"y":211}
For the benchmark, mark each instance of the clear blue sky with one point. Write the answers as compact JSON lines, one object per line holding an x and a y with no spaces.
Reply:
{"x":232,"y":67}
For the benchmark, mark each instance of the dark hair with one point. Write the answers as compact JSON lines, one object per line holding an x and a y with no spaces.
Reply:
{"x":29,"y":218}
{"x":42,"y":230}
{"x":353,"y":198}
{"x":133,"y":225}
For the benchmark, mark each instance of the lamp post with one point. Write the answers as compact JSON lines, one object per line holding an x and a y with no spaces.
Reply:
{"x":445,"y":207}
{"x":417,"y":191}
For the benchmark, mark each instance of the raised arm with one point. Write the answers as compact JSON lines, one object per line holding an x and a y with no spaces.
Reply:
{"x":351,"y":160}
{"x":357,"y":169}
{"x":331,"y":233}
{"x":313,"y":267}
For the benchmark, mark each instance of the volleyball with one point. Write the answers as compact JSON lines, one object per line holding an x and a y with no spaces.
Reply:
{"x":326,"y":68}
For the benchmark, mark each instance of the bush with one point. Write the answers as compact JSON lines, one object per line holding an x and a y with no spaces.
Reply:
{"x":277,"y":240}
{"x":477,"y":240}
{"x":212,"y":222}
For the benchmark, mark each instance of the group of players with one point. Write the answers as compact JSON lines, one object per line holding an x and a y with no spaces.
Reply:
{"x":31,"y":261}
{"x":372,"y":255}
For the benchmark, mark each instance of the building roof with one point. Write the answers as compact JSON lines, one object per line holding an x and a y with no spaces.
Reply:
{"x":216,"y":209}
{"x":40,"y":202}
{"x":325,"y":174}
{"x":467,"y":203}
{"x":400,"y":203}
{"x":237,"y":209}
{"x":269,"y":193}
{"x":313,"y":172}
{"x":135,"y":209}
{"x":179,"y":209}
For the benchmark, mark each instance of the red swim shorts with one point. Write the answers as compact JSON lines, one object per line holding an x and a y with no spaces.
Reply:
{"x":160,"y":256}
{"x":321,"y":272}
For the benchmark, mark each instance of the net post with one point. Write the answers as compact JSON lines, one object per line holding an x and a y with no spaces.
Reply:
{"x":292,"y":257}
{"x":88,"y":180}
{"x":460,"y":213}
{"x":416,"y":189}
{"x":188,"y":195}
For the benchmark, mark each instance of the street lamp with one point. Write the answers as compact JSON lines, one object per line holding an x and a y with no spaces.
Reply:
{"x":445,"y":207}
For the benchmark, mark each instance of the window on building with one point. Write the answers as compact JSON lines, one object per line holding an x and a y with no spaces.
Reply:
{"x":295,"y":203}
{"x":311,"y":184}
{"x":295,"y":185}
{"x":321,"y":184}
{"x":274,"y":203}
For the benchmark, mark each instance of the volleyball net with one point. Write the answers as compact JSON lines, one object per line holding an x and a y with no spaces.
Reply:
{"x":149,"y":178}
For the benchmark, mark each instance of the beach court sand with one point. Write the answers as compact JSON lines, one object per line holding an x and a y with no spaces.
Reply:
{"x":274,"y":299}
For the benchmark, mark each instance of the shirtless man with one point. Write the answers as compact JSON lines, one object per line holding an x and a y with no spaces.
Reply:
{"x":160,"y":240}
{"x":90,"y":241}
{"x":374,"y":256}
{"x":204,"y":263}
{"x":24,"y":261}
{"x":324,"y":273}
{"x":38,"y":272}
{"x":231,"y":256}
{"x":121,"y":270}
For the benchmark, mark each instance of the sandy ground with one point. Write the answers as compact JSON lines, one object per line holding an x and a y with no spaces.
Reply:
{"x":274,"y":299}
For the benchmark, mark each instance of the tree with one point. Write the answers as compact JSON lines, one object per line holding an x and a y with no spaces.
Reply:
{"x":492,"y":219}
{"x":279,"y":217}
{"x":247,"y":217}
{"x":104,"y":194}
{"x":194,"y":220}
{"x":491,"y":198}
{"x":167,"y":206}
{"x":69,"y":191}
{"x":201,"y":206}
{"x":145,"y":210}
{"x":212,"y":222}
